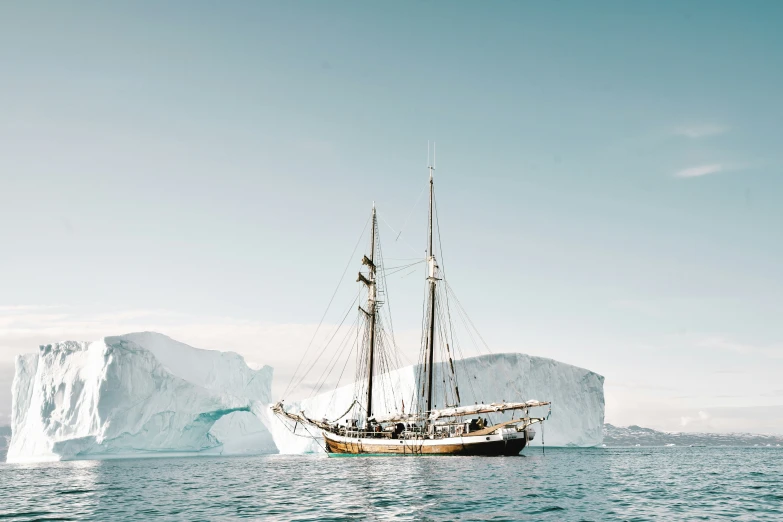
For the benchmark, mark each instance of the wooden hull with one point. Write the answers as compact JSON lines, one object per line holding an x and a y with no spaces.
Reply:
{"x":508,"y":444}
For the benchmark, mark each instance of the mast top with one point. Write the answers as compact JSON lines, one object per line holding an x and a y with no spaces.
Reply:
{"x":431,"y":165}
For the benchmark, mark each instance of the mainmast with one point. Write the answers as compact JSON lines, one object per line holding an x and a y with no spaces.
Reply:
{"x":432,"y":266}
{"x":371,"y":311}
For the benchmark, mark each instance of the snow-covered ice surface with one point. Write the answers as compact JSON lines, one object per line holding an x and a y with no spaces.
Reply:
{"x":140,"y":394}
{"x":577,"y":397}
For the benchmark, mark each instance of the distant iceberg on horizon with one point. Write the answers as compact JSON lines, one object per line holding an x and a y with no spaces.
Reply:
{"x":136,"y":395}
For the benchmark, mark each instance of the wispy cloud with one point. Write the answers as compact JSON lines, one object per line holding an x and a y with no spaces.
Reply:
{"x":701,"y":131}
{"x":700,"y":170}
{"x":703,"y":416}
{"x":25,"y":308}
{"x":774,"y":351}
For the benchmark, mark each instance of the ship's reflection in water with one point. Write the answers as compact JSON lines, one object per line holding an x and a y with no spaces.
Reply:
{"x":564,"y":484}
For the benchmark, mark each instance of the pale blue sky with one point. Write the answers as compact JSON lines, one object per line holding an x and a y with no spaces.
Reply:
{"x":609,"y":180}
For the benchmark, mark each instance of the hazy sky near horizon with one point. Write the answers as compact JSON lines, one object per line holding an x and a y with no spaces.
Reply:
{"x":608,"y":178}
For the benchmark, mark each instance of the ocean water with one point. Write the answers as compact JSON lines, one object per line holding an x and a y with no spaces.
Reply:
{"x":563,"y":484}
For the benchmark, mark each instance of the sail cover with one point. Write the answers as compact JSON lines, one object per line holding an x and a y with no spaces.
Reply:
{"x":398,"y":417}
{"x":461,"y":411}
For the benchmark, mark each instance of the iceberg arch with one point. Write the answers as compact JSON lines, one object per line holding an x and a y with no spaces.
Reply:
{"x":134,"y":395}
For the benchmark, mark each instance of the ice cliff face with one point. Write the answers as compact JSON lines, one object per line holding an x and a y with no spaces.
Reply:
{"x":577,"y":396}
{"x":135,"y":395}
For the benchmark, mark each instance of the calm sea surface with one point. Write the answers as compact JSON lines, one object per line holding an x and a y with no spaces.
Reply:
{"x":564,"y":484}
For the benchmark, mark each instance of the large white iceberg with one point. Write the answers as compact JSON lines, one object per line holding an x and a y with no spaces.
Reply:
{"x":145,"y":394}
{"x":577,"y":397}
{"x":136,"y":395}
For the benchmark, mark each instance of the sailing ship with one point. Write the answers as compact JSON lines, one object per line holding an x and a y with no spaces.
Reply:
{"x":425,"y":430}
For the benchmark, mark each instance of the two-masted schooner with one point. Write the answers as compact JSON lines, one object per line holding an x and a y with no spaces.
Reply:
{"x":425,"y":430}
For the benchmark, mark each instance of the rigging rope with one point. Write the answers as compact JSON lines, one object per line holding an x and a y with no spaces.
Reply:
{"x":334,"y":360}
{"x":347,"y":360}
{"x":460,"y":307}
{"x":309,"y":435}
{"x":288,"y":387}
{"x":400,"y":268}
{"x":327,"y":344}
{"x":398,"y":235}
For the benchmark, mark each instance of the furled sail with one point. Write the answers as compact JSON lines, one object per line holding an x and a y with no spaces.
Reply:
{"x":462,"y":411}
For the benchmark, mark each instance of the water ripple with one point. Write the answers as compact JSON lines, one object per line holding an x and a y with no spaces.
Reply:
{"x":568,"y":484}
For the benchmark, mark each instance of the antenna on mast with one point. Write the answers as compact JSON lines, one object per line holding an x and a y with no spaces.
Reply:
{"x":431,"y":164}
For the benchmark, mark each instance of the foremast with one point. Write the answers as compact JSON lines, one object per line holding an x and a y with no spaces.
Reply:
{"x":372,"y":310}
